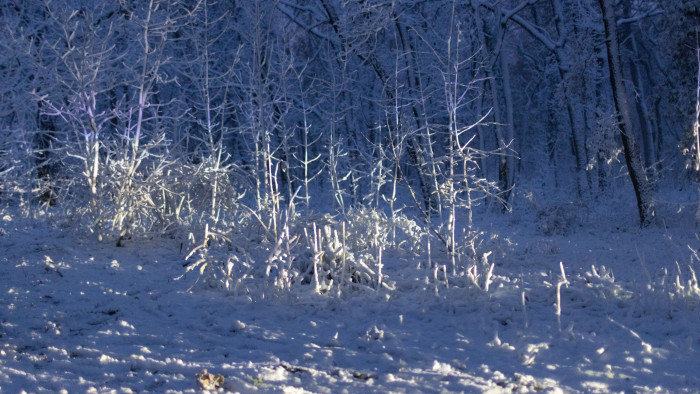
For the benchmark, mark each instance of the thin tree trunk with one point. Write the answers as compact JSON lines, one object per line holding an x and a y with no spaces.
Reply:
{"x":492,"y":40}
{"x":510,"y":128}
{"x":650,"y":158}
{"x":636,"y":67}
{"x":415,"y":145}
{"x":633,"y":159}
{"x":574,"y":105}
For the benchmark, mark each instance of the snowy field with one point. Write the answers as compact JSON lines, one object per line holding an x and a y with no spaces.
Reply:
{"x":79,"y":316}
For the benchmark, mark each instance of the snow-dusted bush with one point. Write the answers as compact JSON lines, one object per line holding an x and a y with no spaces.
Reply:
{"x":561,"y":219}
{"x":329,"y":261}
{"x":185,"y":194}
{"x":662,"y":296}
{"x":685,"y":285}
{"x":17,"y":173}
{"x":311,"y":254}
{"x":331,"y":255}
{"x":367,"y":228}
{"x":411,"y":235}
{"x":156,"y":192}
{"x":220,"y":265}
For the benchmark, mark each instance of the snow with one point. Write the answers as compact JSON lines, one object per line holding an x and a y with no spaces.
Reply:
{"x":76,"y":315}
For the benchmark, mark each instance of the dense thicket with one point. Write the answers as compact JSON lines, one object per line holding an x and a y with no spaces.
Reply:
{"x":145,"y":113}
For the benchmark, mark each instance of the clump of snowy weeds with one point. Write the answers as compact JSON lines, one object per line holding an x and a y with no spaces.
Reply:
{"x":671,"y":289}
{"x":316,"y":253}
{"x":663,"y":295}
{"x":332,"y":256}
{"x":685,"y":286}
{"x":369,"y":228}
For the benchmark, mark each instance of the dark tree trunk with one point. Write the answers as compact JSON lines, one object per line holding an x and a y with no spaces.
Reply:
{"x":43,"y":163}
{"x":633,"y":158}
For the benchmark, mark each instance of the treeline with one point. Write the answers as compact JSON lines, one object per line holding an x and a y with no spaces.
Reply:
{"x":145,"y":113}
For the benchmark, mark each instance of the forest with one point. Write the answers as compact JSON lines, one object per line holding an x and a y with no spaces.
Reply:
{"x":139,"y":116}
{"x":290,"y":149}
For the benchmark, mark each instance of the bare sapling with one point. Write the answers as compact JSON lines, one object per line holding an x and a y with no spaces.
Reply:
{"x":336,"y":152}
{"x":265,"y":114}
{"x":562,"y":282}
{"x":380,"y":265}
{"x":283,"y":252}
{"x":343,"y":261}
{"x":141,"y":154}
{"x":696,"y":125}
{"x":523,"y":302}
{"x":211,"y":88}
{"x":307,"y":144}
{"x":318,"y":256}
{"x":85,"y":55}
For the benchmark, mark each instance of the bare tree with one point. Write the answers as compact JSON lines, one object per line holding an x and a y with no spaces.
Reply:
{"x":637,"y":172}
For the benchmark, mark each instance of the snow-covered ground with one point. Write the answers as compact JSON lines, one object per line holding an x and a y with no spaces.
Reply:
{"x":81,"y":316}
